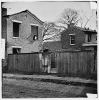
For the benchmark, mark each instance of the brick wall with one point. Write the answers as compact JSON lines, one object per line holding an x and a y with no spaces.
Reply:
{"x":25,"y":31}
{"x":4,"y":23}
{"x":53,"y":46}
{"x":79,"y":39}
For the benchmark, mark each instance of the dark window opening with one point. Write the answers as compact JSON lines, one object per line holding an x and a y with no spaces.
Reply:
{"x":72,"y":39}
{"x":16,"y":50}
{"x":16,"y":29}
{"x":89,"y":37}
{"x":34,"y":31}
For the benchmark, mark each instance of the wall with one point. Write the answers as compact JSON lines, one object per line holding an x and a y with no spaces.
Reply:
{"x":25,"y":31}
{"x":53,"y":46}
{"x":79,"y":39}
{"x":4,"y":23}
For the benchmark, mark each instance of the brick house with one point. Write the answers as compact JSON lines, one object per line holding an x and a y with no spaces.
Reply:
{"x":72,"y":38}
{"x":91,"y":41}
{"x":22,"y":32}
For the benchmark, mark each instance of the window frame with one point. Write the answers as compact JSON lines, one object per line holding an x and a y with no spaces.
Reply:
{"x":35,"y":25}
{"x":72,"y":39}
{"x":16,"y":47}
{"x":18,"y":22}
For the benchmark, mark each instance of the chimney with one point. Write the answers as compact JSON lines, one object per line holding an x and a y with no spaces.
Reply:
{"x":4,"y":11}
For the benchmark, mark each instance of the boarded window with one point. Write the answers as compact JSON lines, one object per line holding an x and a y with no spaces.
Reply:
{"x":34,"y":31}
{"x":16,"y":50}
{"x":72,"y":39}
{"x":16,"y":29}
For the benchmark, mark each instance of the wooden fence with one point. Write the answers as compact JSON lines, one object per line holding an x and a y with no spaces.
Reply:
{"x":76,"y":63}
{"x":68,"y":63}
{"x":27,"y":63}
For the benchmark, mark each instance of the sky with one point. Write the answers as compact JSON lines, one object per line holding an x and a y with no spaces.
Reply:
{"x":50,"y":11}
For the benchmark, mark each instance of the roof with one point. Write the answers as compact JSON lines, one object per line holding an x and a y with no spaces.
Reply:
{"x":27,"y":11}
{"x":86,"y":30}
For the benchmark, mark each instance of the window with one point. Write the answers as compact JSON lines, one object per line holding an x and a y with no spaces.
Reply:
{"x":16,"y":50}
{"x":34,"y":31}
{"x":72,"y":39}
{"x":16,"y":29}
{"x":89,"y":37}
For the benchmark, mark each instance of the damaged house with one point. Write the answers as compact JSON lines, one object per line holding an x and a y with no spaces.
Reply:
{"x":23,"y":32}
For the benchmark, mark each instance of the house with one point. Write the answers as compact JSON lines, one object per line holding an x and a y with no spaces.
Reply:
{"x":22,"y":32}
{"x":74,"y":37}
{"x":91,"y":41}
{"x":91,"y":45}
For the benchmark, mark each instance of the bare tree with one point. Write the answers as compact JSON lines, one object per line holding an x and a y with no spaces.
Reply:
{"x":72,"y":17}
{"x":51,"y":30}
{"x":84,"y":19}
{"x":69,"y":16}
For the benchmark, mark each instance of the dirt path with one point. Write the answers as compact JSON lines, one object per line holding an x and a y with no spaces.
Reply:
{"x":13,"y":88}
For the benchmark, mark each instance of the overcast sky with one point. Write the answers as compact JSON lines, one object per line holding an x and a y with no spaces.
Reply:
{"x":50,"y":11}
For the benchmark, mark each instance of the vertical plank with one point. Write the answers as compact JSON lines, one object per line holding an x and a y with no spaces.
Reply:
{"x":82,"y":63}
{"x":69,"y":58}
{"x":72,"y":63}
{"x":10,"y":63}
{"x":37,"y":63}
{"x":58,"y":63}
{"x":64,"y":64}
{"x":29,"y":69}
{"x":13,"y":62}
{"x":75,"y":63}
{"x":31,"y":64}
{"x":81,"y":66}
{"x":67,"y":63}
{"x":88,"y":63}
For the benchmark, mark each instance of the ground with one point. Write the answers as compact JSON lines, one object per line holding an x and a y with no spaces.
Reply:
{"x":14,"y":88}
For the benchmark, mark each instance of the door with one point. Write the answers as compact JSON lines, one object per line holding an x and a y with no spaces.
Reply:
{"x":53,"y":65}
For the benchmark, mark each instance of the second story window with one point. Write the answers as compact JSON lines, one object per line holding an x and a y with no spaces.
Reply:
{"x":72,"y":39}
{"x":89,"y":37}
{"x":34,"y":31}
{"x":16,"y":27}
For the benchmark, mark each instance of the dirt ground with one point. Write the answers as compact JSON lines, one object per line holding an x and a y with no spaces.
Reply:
{"x":13,"y":88}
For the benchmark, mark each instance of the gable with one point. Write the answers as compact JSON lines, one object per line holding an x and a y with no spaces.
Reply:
{"x":24,"y":14}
